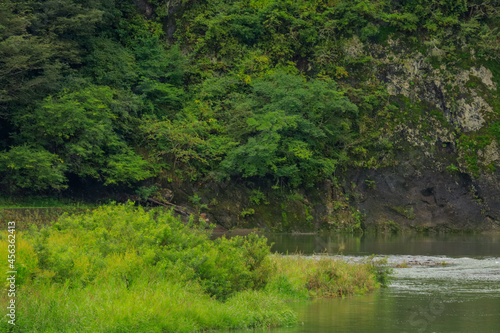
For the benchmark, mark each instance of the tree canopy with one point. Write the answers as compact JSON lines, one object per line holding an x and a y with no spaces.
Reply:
{"x":123,"y":91}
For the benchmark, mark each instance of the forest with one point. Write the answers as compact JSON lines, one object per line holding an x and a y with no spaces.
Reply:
{"x":120,"y":94}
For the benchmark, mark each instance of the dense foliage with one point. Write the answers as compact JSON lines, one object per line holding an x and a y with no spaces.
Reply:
{"x":123,"y":91}
{"x":118,"y":242}
{"x":119,"y":268}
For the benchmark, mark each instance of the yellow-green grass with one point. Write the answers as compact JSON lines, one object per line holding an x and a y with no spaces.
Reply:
{"x":119,"y":268}
{"x":156,"y":304}
{"x":38,"y":210}
{"x":27,"y":217}
{"x":303,"y":277}
{"x":149,"y":306}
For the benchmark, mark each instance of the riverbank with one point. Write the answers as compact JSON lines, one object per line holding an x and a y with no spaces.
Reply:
{"x":39,"y":210}
{"x":120,"y":268}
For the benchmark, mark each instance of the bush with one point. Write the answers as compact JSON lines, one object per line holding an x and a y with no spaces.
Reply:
{"x":230,"y":265}
{"x":117,"y":242}
{"x":300,"y":277}
{"x":26,"y":261}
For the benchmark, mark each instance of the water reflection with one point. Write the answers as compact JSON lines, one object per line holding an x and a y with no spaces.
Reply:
{"x":411,"y":244}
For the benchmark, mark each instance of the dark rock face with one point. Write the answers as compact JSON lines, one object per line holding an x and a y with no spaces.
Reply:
{"x":145,"y":7}
{"x":428,"y":199}
{"x":408,"y":195}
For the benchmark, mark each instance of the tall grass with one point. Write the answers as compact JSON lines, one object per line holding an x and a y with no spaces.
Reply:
{"x":121,"y":269}
{"x":27,"y":217}
{"x":38,"y":210}
{"x":40,"y":202}
{"x":303,"y":277}
{"x":160,"y":306}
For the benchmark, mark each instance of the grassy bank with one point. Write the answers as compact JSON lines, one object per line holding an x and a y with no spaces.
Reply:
{"x":39,"y":210}
{"x":119,"y":268}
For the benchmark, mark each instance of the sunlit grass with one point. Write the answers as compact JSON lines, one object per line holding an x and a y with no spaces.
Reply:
{"x":40,"y":202}
{"x":119,"y":268}
{"x":148,"y":306}
{"x":302,"y":277}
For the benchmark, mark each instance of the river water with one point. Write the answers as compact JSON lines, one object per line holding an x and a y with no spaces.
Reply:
{"x":451,"y":284}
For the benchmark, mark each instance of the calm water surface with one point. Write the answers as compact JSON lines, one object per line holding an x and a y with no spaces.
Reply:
{"x":463,"y":296}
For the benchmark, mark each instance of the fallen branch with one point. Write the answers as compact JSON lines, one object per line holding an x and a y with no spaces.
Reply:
{"x":168,"y":204}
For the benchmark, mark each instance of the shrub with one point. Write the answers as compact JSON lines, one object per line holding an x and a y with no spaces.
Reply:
{"x":117,"y":242}
{"x":26,"y":260}
{"x":300,"y":277}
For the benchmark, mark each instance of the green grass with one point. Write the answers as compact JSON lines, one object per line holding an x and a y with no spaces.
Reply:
{"x":27,"y":217}
{"x":299,"y":277}
{"x":119,"y":268}
{"x":156,"y":304}
{"x":149,"y":306}
{"x":39,"y":210}
{"x":40,"y":202}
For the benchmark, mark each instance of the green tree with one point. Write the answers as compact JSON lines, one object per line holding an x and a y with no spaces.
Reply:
{"x":33,"y":169}
{"x":187,"y":146}
{"x":83,"y":129}
{"x":297,"y":129}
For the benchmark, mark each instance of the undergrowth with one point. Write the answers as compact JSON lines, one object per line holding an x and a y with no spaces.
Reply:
{"x":119,"y":268}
